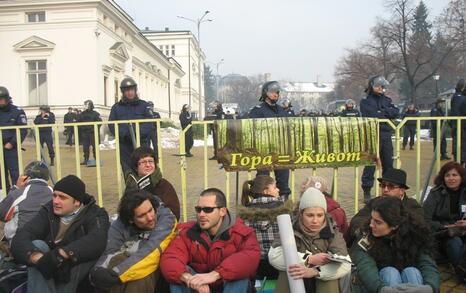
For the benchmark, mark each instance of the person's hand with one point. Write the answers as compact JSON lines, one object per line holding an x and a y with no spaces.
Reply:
{"x":49,"y":263}
{"x":299,"y":271}
{"x":104,"y":278}
{"x":203,"y":289}
{"x":8,"y":146}
{"x":203,"y":279}
{"x":22,"y":181}
{"x":35,"y":256}
{"x":318,"y":259}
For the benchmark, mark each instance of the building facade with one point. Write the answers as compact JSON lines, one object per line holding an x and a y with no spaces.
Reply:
{"x":63,"y":52}
{"x":184,"y":47}
{"x":307,"y":95}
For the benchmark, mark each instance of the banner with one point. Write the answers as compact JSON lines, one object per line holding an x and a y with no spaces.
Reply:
{"x":299,"y":142}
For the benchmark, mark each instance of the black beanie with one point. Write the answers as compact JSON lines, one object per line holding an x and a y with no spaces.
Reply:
{"x":74,"y":187}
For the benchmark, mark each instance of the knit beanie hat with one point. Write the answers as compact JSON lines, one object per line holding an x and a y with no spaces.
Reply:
{"x":312,"y":197}
{"x":37,"y":170}
{"x":74,"y":187}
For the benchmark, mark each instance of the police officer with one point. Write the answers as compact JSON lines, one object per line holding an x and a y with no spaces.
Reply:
{"x":10,"y":115}
{"x":153,"y":134}
{"x":69,"y":117}
{"x":410,"y":126}
{"x":457,"y":100}
{"x":45,"y":133}
{"x":288,"y":108}
{"x":377,"y":105}
{"x":349,"y":110}
{"x":185,"y":120}
{"x":130,"y":107}
{"x":438,"y":111}
{"x":267,"y":109}
{"x":86,"y":132}
{"x":218,"y":114}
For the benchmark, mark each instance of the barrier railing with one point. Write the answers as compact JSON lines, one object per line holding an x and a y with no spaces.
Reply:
{"x":183,"y":163}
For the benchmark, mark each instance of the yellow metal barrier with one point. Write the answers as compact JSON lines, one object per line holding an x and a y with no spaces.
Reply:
{"x":59,"y":161}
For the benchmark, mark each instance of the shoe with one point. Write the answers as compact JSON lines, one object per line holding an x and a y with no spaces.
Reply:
{"x":84,"y":163}
{"x":189,"y":155}
{"x":403,"y":147}
{"x":411,"y":148}
{"x":444,"y":158}
{"x":367,"y":194}
{"x":213,"y":158}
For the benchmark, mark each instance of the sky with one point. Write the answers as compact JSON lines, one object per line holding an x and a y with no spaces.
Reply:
{"x":294,"y":40}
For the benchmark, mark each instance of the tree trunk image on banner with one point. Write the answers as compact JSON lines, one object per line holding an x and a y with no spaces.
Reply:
{"x":301,"y":142}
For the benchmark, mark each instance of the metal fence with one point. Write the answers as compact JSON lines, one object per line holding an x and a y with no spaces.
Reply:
{"x":183,"y":163}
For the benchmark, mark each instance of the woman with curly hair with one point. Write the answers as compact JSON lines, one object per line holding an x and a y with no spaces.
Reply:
{"x":445,"y":211}
{"x":395,"y":250}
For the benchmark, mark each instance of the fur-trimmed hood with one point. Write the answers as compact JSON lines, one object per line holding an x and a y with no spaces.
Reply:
{"x":264,"y":214}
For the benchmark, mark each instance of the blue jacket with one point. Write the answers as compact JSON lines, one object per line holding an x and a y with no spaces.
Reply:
{"x":408,"y":114}
{"x":379,"y":107}
{"x":131,"y":110}
{"x":264,"y":110}
{"x":9,"y":116}
{"x":49,"y":119}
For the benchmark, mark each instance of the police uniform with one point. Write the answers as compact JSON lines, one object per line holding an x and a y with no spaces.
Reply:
{"x":185,"y":120}
{"x":457,"y":100}
{"x":153,"y":134}
{"x":69,"y":118}
{"x":379,"y":106}
{"x":410,"y":128}
{"x":130,"y":110}
{"x":11,"y":115}
{"x":45,"y":133}
{"x":265,"y":110}
{"x":350,"y":113}
{"x":87,"y":132}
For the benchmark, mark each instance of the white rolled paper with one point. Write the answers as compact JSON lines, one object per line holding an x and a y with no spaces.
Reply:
{"x":289,"y":251}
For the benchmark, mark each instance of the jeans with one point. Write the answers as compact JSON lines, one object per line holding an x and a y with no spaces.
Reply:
{"x":456,"y":249}
{"x":37,"y":282}
{"x":239,"y":286}
{"x":392,"y":276}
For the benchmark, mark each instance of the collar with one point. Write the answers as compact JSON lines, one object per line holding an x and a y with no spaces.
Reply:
{"x":67,"y":219}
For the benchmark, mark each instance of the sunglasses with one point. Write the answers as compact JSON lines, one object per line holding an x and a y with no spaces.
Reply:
{"x":206,"y":210}
{"x":388,"y":185}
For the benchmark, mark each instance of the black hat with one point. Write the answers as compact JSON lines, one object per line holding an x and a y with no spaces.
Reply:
{"x":74,"y":187}
{"x":396,"y":176}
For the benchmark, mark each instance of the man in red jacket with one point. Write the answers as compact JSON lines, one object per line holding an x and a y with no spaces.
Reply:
{"x":218,"y":253}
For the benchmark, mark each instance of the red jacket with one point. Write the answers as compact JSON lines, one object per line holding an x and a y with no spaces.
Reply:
{"x":234,"y":256}
{"x":338,"y":214}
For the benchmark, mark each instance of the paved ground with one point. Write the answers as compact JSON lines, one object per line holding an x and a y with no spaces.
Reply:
{"x":217,"y":178}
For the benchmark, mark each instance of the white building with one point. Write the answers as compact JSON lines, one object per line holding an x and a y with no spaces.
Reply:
{"x":62,"y":52}
{"x":184,"y":47}
{"x":306,"y":95}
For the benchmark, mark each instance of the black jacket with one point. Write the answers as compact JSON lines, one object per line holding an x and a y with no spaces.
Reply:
{"x":185,"y":119}
{"x":408,"y":114}
{"x":49,"y":118}
{"x":11,"y":116}
{"x":379,"y":107}
{"x":437,"y":210}
{"x":85,"y":239}
{"x":264,"y":110}
{"x":350,"y":113}
{"x":88,"y":116}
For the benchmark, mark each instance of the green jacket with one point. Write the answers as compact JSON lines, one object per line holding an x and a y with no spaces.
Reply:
{"x":368,"y":272}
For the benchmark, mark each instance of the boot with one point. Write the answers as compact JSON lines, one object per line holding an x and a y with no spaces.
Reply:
{"x":403,"y":147}
{"x":52,"y":163}
{"x":83,"y":163}
{"x":367,"y":194}
{"x":411,"y":147}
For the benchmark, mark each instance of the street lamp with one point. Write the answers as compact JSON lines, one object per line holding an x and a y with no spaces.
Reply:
{"x":436,"y":78}
{"x":198,"y":22}
{"x":217,"y":64}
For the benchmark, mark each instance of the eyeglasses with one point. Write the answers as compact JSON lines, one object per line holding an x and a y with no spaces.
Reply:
{"x":146,"y":162}
{"x":206,"y":210}
{"x":389,"y":186}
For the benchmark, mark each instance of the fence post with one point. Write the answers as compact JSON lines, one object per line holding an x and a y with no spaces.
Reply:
{"x":57,"y":152}
{"x":19,"y":150}
{"x":76,"y":150}
{"x":2,"y":168}
{"x":418,"y":159}
{"x":183,"y":171}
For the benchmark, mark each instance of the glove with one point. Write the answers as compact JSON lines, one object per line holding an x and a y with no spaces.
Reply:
{"x":104,"y":278}
{"x":63,"y":273}
{"x":49,"y":263}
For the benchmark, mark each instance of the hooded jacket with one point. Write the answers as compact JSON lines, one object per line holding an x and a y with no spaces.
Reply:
{"x":234,"y":252}
{"x":143,"y":247}
{"x":83,"y":241}
{"x":261,"y":215}
{"x":22,"y":204}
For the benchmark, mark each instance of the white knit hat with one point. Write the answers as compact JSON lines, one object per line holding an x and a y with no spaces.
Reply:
{"x":312,"y":197}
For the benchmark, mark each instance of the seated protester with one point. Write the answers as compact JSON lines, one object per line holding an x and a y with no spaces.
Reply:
{"x":316,"y":240}
{"x":444,"y":210}
{"x":136,"y":240}
{"x":392,"y":183}
{"x":218,"y":253}
{"x":144,"y":174}
{"x":26,"y":198}
{"x":395,"y":250}
{"x":66,"y":238}
{"x":334,"y":209}
{"x":261,"y":204}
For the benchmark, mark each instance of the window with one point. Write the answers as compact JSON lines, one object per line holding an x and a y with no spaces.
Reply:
{"x":38,"y":16}
{"x":161,"y":48}
{"x":166,"y":50}
{"x":105,"y":90}
{"x":37,"y":81}
{"x":173,"y":50}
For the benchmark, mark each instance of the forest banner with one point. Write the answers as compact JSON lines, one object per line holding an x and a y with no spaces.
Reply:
{"x":301,"y":142}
